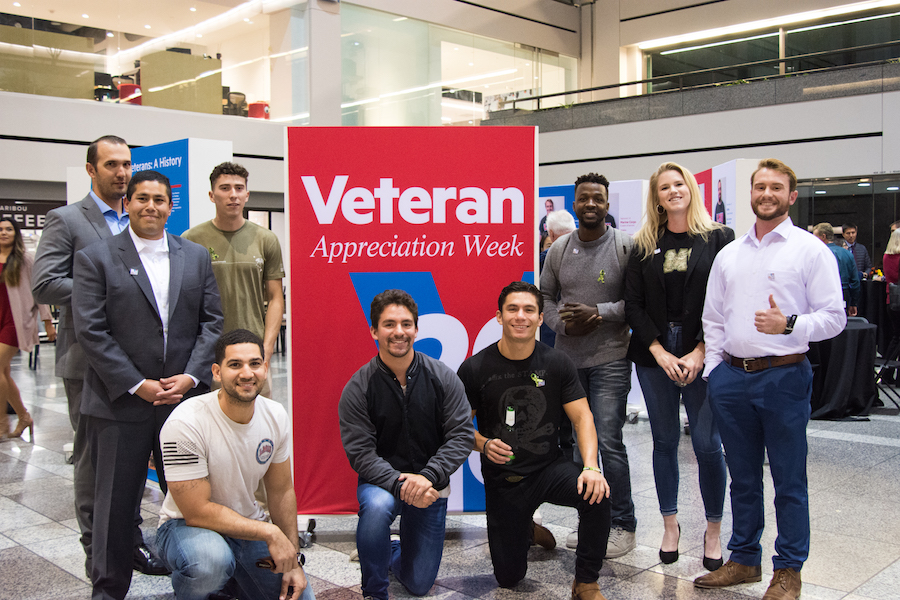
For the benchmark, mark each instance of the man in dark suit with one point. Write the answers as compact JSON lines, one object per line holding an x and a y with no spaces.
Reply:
{"x":147,"y":315}
{"x":67,"y":230}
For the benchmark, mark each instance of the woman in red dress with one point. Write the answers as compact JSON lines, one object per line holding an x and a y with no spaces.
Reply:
{"x":19,"y":315}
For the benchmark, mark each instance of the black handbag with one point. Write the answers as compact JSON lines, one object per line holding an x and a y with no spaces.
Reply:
{"x":894,"y":294}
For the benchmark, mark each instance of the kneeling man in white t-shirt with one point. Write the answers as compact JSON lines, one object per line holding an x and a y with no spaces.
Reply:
{"x":216,"y":448}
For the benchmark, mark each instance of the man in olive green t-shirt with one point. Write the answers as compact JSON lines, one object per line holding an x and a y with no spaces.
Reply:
{"x":246,"y":259}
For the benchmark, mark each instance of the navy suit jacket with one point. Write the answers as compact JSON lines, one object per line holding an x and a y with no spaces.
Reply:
{"x":645,"y":296}
{"x":119,"y":328}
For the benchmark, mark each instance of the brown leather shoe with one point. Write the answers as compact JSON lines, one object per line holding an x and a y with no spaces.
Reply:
{"x":785,"y":585}
{"x":586,"y":591}
{"x":542,"y":536}
{"x":731,"y":573}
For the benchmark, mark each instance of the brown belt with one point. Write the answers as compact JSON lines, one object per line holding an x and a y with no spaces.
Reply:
{"x":751,"y":365}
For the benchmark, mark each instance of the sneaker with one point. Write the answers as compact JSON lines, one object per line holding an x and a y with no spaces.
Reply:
{"x":572,"y":540}
{"x":620,"y":543}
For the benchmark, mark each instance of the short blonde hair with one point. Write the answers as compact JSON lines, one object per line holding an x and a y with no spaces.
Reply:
{"x":773,"y":164}
{"x":699,"y":221}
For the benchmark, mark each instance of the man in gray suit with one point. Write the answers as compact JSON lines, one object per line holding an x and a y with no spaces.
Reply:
{"x":147,"y":315}
{"x":67,"y":230}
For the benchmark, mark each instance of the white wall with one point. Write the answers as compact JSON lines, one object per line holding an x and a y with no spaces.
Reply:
{"x":43,"y":117}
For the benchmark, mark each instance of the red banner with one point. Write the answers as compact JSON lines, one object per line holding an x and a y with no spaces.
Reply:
{"x":446,"y":213}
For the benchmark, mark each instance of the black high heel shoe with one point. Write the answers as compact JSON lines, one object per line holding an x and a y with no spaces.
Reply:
{"x":710,"y":564}
{"x":667,"y":558}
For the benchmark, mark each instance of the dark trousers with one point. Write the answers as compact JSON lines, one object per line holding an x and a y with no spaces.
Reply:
{"x":510,"y":507}
{"x":119,"y":451}
{"x":758,"y":412}
{"x":84,"y":474}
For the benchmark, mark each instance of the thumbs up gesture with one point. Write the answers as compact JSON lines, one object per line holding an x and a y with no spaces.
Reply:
{"x":771,"y":320}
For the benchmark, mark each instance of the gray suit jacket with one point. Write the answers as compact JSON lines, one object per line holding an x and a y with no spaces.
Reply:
{"x":120,"y":331}
{"x":67,"y":230}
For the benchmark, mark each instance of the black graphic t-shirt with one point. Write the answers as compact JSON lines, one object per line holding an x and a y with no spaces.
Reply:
{"x":530,"y":395}
{"x":676,"y":251}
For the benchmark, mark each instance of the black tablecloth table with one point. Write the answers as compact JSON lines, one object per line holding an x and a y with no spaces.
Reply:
{"x":844,"y":373}
{"x":873,"y":306}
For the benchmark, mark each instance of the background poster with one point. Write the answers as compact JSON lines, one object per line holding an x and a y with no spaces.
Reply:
{"x":412,"y":208}
{"x":170,"y":159}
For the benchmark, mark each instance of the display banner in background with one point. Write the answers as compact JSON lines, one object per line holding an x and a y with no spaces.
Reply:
{"x":170,"y":159}
{"x":555,"y":197}
{"x":445,"y":213}
{"x":187,"y":163}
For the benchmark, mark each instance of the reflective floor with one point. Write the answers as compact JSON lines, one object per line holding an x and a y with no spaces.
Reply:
{"x":854,"y":480}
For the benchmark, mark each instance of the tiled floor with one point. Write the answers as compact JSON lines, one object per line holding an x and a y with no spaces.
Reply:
{"x":854,"y":479}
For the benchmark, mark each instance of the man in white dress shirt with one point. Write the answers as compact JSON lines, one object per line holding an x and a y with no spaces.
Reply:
{"x":770,"y":293}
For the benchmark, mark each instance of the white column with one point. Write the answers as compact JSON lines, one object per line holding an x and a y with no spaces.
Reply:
{"x":324,"y":19}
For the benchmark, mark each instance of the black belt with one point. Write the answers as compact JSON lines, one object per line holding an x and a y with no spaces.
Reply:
{"x":751,"y":365}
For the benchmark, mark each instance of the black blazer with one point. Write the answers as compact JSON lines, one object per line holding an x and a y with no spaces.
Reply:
{"x":645,"y":296}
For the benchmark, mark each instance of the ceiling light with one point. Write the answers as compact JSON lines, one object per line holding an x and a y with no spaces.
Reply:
{"x":714,"y":44}
{"x":146,"y":27}
{"x":246,"y":19}
{"x":192,"y":9}
{"x":400,"y":19}
{"x":767,"y":23}
{"x":821,"y":192}
{"x":84,"y":16}
{"x":109,"y":34}
{"x":893,"y":188}
{"x":199,"y":35}
{"x":472,"y":64}
{"x":17,"y":4}
{"x":864,"y":184}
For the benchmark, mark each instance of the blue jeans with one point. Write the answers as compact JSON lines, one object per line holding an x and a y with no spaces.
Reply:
{"x":415,"y":559}
{"x":756,"y":412}
{"x":607,"y":388}
{"x":663,"y":398}
{"x":204,"y":562}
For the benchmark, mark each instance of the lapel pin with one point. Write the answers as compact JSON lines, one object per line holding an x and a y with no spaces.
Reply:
{"x":133,"y":271}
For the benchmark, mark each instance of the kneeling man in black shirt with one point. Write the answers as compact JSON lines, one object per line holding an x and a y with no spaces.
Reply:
{"x":518,"y":390}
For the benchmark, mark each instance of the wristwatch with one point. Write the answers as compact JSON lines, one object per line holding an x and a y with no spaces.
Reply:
{"x":789,"y":327}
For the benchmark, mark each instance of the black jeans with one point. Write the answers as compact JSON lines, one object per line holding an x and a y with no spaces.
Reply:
{"x":510,"y":507}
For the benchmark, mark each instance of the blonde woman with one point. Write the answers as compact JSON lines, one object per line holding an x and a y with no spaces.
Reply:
{"x":665,"y":287}
{"x":19,"y":315}
{"x":892,"y":275}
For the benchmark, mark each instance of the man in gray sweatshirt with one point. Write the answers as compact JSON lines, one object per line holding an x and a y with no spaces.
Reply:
{"x":585,"y":270}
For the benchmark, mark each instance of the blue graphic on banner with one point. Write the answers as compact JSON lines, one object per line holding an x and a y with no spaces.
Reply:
{"x":170,"y":159}
{"x":420,"y":285}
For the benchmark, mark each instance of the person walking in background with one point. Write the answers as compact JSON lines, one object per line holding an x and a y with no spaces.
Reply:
{"x":846,"y":266}
{"x":665,"y":287}
{"x":19,"y":316}
{"x":892,"y":275}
